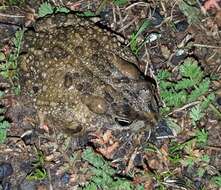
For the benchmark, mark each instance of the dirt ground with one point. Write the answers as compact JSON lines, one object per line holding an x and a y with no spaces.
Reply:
{"x":162,"y":34}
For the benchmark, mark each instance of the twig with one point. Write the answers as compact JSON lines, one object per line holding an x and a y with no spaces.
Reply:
{"x":207,"y":46}
{"x":127,"y":25}
{"x":143,"y":4}
{"x":216,"y":111}
{"x":218,"y":148}
{"x":184,"y":107}
{"x":121,"y":20}
{"x":11,"y":16}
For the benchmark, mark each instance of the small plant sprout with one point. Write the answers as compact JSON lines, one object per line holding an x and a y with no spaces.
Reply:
{"x":192,"y":86}
{"x":134,"y":45}
{"x":46,"y":9}
{"x":217,"y":180}
{"x":38,"y":172}
{"x":104,"y":176}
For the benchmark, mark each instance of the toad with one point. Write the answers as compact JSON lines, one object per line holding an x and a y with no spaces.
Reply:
{"x":80,"y":77}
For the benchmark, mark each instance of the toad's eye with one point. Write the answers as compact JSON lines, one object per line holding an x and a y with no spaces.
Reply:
{"x":123,"y":121}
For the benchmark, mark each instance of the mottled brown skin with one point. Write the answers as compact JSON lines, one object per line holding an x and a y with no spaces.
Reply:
{"x":80,"y":77}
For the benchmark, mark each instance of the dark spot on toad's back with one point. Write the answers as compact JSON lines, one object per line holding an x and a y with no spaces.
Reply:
{"x":58,"y":52}
{"x":94,"y":44}
{"x":68,"y":80}
{"x":79,"y":51}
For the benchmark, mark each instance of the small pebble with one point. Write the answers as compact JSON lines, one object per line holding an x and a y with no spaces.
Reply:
{"x":157,"y":18}
{"x":181,"y":26}
{"x":65,"y":178}
{"x":163,"y":129}
{"x":176,"y":59}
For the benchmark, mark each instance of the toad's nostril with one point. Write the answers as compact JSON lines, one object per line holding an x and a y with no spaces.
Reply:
{"x":123,"y":121}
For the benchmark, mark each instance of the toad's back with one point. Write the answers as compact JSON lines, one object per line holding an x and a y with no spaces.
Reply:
{"x":80,"y":76}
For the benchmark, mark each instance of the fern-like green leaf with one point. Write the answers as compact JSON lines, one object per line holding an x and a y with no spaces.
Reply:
{"x":196,"y":113}
{"x":201,"y":137}
{"x":97,"y":161}
{"x":164,"y":85}
{"x":217,"y":180}
{"x":163,"y":75}
{"x":120,"y":2}
{"x":192,"y":13}
{"x":45,"y":9}
{"x":205,"y":104}
{"x":103,"y":174}
{"x":91,"y":186}
{"x":174,"y":99}
{"x":191,"y":70}
{"x":4,"y":125}
{"x":199,"y":91}
{"x":184,"y":84}
{"x":61,"y":10}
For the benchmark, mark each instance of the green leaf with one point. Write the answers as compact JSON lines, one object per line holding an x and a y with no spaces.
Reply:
{"x":4,"y":66}
{"x":174,"y":99}
{"x":4,"y":125}
{"x":2,"y":56}
{"x":91,"y":186}
{"x":3,"y":135}
{"x":61,"y":10}
{"x":165,"y":110}
{"x":37,"y":174}
{"x":188,"y":161}
{"x":2,"y":110}
{"x":217,"y":180}
{"x":18,"y":38}
{"x":196,"y":113}
{"x":2,"y":93}
{"x":103,"y":175}
{"x":199,"y":91}
{"x":92,"y":158}
{"x":184,"y":84}
{"x":192,"y":13}
{"x":2,"y":118}
{"x":120,"y":2}
{"x":201,"y":137}
{"x":201,"y":172}
{"x":3,"y":131}
{"x":140,"y":187}
{"x":163,"y":75}
{"x":133,"y":40}
{"x":45,"y":9}
{"x":97,"y":161}
{"x":209,"y":99}
{"x":205,"y":158}
{"x":4,"y":74}
{"x":191,"y":70}
{"x":164,"y":85}
{"x":122,"y":185}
